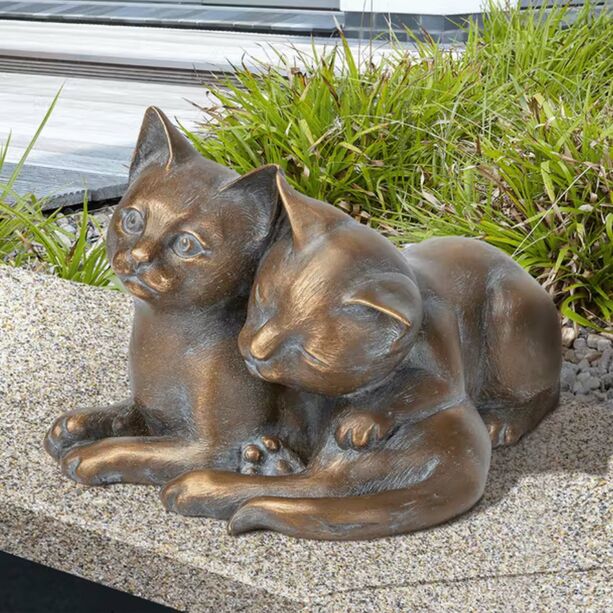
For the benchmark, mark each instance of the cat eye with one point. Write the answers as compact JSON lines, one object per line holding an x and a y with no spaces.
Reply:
{"x":186,"y":245}
{"x":132,"y":221}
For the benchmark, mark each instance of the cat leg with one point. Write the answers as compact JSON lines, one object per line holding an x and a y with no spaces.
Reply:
{"x":521,"y":359}
{"x":146,"y":460}
{"x":429,"y":471}
{"x":362,"y":429}
{"x":87,"y":425}
{"x":217,"y":493}
{"x":441,"y":474}
{"x":267,"y":455}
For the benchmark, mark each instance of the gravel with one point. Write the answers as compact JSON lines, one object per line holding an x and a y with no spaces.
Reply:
{"x":587,"y":369}
{"x":95,"y":231}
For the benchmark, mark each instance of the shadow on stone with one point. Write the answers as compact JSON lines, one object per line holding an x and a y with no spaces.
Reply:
{"x":572,"y":439}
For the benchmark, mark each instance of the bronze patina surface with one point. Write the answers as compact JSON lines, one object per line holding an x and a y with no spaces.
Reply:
{"x":343,"y":390}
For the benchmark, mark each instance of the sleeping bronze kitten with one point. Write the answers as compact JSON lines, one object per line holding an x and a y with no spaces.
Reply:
{"x":185,"y":240}
{"x":427,"y":356}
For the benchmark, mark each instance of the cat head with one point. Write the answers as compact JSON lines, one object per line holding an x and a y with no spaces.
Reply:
{"x":188,"y":231}
{"x":333,"y":307}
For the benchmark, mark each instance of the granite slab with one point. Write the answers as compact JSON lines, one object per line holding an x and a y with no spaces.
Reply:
{"x":539,"y":539}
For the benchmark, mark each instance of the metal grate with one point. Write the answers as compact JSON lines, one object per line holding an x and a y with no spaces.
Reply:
{"x":248,"y":19}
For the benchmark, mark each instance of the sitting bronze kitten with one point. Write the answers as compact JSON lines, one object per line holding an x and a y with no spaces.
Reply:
{"x":426,"y":354}
{"x":185,"y":240}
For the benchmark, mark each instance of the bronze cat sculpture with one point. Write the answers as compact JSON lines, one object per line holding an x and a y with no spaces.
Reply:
{"x":185,"y":240}
{"x":430,"y":355}
{"x":367,"y":385}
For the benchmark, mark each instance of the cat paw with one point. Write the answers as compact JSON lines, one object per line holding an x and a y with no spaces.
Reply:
{"x":201,"y":493}
{"x":503,"y":432}
{"x":67,"y":430}
{"x":86,"y":465}
{"x":363,"y":430}
{"x":84,"y":426}
{"x":268,"y":456}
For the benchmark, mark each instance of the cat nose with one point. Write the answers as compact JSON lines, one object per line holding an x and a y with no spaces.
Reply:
{"x":142,"y":252}
{"x":264,"y":343}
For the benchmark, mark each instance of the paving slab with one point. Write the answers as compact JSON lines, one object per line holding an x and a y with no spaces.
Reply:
{"x":190,"y":49}
{"x":539,"y":539}
{"x":109,"y":75}
{"x":88,"y":141}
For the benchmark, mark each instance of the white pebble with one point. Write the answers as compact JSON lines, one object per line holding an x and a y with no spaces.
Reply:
{"x":592,"y":340}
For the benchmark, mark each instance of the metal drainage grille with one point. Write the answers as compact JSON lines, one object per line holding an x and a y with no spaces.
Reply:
{"x":249,"y":19}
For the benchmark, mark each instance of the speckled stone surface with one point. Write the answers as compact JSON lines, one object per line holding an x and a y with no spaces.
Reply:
{"x":539,"y":539}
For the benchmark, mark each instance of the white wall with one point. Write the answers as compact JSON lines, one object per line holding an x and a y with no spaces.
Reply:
{"x":417,"y":7}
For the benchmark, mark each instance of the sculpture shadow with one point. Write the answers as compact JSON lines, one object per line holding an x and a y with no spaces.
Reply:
{"x":574,"y":438}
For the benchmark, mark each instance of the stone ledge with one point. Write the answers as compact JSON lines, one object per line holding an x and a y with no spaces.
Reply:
{"x":537,"y":539}
{"x":60,"y":187}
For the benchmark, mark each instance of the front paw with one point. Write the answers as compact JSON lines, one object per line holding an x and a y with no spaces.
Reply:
{"x":67,"y":430}
{"x":267,"y":455}
{"x":200,"y":493}
{"x":363,"y":430}
{"x":86,"y":465}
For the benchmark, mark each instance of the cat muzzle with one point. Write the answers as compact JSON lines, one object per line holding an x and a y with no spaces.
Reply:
{"x":138,"y":287}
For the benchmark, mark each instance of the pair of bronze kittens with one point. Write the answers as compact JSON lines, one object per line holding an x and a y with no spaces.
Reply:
{"x":292,"y":370}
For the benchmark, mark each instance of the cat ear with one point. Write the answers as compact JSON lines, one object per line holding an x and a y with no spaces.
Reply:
{"x":308,"y":218}
{"x":257,"y":193}
{"x":394,"y":294}
{"x":159,"y":142}
{"x":259,"y":182}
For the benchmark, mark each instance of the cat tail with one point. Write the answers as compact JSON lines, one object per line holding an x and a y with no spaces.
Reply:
{"x":355,"y":517}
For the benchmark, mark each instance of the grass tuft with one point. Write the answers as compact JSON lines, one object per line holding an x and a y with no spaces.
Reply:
{"x":32,"y":239}
{"x":509,"y":141}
